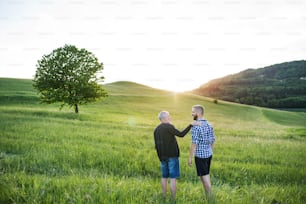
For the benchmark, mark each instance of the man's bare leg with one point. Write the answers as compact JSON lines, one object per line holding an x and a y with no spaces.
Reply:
{"x":173,"y":187}
{"x":164,"y":183}
{"x":206,"y":184}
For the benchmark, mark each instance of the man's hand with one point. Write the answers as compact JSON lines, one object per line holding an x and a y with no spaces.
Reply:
{"x":190,"y":161}
{"x":212,"y":147}
{"x":196,"y":123}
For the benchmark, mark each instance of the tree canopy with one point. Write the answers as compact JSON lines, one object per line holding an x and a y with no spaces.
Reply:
{"x":69,"y":75}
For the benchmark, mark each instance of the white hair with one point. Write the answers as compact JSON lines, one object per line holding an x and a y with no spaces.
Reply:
{"x":163,"y":114}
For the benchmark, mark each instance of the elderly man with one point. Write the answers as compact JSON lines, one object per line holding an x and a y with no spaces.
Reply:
{"x":168,"y":151}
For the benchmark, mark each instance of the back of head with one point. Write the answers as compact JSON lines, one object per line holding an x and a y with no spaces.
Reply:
{"x":199,"y":109}
{"x":163,"y":114}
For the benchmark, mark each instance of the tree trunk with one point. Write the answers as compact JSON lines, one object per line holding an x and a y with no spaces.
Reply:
{"x":76,"y":108}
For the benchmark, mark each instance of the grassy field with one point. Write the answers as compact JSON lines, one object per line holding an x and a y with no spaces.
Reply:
{"x":106,"y":153}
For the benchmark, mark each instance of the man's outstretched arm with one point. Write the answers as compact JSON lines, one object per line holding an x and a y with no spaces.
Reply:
{"x":181,"y":133}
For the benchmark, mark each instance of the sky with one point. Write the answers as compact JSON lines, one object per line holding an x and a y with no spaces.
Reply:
{"x":175,"y":45}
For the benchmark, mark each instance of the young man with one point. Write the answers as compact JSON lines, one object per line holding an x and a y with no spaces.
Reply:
{"x":201,"y":148}
{"x":168,"y":151}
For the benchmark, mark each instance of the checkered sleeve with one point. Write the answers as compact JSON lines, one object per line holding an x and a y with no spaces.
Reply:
{"x":211,"y":135}
{"x":195,"y":135}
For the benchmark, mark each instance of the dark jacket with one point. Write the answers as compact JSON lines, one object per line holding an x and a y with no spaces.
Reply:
{"x":165,"y":141}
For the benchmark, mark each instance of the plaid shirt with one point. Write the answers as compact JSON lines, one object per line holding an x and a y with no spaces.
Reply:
{"x":203,"y":136}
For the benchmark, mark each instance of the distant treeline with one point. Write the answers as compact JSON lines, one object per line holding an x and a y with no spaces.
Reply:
{"x":277,"y":86}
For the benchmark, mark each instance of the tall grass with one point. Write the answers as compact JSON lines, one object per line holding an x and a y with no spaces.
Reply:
{"x":106,"y":153}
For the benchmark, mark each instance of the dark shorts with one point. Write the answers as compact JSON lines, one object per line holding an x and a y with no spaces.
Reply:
{"x":202,"y":165}
{"x":170,"y":168}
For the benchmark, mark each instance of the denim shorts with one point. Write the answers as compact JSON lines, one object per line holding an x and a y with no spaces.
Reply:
{"x":170,"y":168}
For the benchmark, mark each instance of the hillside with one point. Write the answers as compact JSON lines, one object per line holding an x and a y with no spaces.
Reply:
{"x":276,"y":86}
{"x":105,"y":154}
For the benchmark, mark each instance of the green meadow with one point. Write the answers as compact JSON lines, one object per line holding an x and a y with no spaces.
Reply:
{"x":105,"y":154}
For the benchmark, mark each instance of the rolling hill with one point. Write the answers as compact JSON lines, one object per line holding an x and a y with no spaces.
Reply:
{"x":276,"y":86}
{"x":105,"y":154}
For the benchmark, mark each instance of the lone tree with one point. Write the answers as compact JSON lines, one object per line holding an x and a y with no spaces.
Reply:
{"x":69,"y":75}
